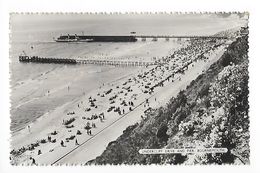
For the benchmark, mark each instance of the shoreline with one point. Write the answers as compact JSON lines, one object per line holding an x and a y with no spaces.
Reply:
{"x":76,"y":95}
{"x":72,"y":101}
{"x":24,"y":99}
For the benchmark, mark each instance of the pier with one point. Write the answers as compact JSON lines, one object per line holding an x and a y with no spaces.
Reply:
{"x":178,"y":38}
{"x":36,"y":59}
{"x":127,"y":38}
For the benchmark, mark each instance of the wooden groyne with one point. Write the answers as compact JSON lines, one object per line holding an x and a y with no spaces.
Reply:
{"x":36,"y":59}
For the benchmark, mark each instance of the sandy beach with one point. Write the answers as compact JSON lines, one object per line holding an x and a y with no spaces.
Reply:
{"x":35,"y":86}
{"x":79,"y":130}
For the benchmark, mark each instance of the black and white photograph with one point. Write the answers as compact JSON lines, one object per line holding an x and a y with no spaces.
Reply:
{"x":129,"y":88}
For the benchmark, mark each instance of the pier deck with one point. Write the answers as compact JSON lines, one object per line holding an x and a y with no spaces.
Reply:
{"x":36,"y":59}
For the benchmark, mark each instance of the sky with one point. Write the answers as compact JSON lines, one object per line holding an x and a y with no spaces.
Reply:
{"x":47,"y":26}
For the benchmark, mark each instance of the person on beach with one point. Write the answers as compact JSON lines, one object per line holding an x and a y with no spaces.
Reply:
{"x":29,"y":128}
{"x":62,"y":143}
{"x":76,"y":142}
{"x":33,"y":161}
{"x":39,"y":152}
